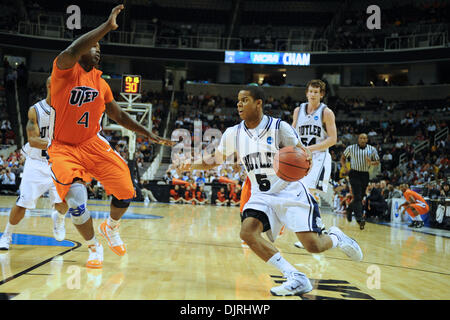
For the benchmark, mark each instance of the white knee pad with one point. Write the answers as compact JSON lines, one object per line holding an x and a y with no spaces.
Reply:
{"x":76,"y":200}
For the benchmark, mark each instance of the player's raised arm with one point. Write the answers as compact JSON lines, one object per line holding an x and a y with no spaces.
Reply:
{"x":34,"y":138}
{"x":116,"y":113}
{"x":82,"y":45}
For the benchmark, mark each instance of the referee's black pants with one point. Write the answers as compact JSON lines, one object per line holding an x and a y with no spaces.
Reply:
{"x":358,"y":181}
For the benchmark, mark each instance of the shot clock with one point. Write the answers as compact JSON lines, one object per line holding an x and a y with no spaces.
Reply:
{"x":131,"y":84}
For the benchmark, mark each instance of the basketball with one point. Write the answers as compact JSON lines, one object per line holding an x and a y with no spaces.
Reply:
{"x":290,"y":164}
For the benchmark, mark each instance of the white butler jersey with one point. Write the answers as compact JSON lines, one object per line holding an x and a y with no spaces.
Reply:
{"x":311,"y":131}
{"x":256,"y":149}
{"x":284,"y":203}
{"x":310,"y":126}
{"x":43,"y":121}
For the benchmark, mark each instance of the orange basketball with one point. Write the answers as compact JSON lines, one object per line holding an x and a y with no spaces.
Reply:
{"x":290,"y":163}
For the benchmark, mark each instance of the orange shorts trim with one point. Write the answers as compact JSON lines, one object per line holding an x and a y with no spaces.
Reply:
{"x":93,"y":158}
{"x":245,"y":193}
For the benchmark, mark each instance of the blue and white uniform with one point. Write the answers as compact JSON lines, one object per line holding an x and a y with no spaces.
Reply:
{"x":36,"y":176}
{"x":284,"y":203}
{"x":311,"y":131}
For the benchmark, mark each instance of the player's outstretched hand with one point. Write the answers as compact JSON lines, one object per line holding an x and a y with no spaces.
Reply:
{"x":112,"y":17}
{"x":159,"y":140}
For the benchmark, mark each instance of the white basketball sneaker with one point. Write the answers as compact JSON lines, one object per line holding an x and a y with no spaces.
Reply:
{"x":112,"y":236}
{"x":348,"y":245}
{"x":95,"y":260}
{"x":297,"y":283}
{"x":59,"y":230}
{"x":5,"y":241}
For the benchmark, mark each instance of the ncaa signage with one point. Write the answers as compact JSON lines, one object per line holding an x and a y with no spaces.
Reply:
{"x":273,"y":58}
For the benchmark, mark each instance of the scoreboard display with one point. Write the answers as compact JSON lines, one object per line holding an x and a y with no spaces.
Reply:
{"x":131,"y":84}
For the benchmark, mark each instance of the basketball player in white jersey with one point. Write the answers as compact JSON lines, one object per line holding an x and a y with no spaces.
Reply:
{"x":273,"y":201}
{"x":36,"y":174}
{"x":316,"y":126}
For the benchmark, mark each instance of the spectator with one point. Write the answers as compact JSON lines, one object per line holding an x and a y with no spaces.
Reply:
{"x":200,"y":196}
{"x":221,"y":198}
{"x":175,"y":196}
{"x":430,"y":191}
{"x":189,"y":196}
{"x":146,"y":194}
{"x":8,"y":177}
{"x":445,"y":190}
{"x":376,"y":207}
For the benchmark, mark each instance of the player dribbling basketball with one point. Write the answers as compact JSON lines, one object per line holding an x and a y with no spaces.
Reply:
{"x":273,"y":201}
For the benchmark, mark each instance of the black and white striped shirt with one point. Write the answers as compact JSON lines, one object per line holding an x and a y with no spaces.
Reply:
{"x":358,"y":156}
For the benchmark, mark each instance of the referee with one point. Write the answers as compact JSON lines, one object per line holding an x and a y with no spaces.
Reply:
{"x":362,"y":157}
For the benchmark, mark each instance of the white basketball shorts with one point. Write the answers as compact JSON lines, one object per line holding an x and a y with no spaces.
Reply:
{"x":293,"y":207}
{"x":320,"y":173}
{"x":36,"y":180}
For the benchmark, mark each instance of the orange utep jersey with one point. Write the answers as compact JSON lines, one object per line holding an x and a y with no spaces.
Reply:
{"x":78,"y":101}
{"x":409,"y":193}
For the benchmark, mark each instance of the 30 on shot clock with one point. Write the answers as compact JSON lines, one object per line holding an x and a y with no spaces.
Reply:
{"x":131,"y":84}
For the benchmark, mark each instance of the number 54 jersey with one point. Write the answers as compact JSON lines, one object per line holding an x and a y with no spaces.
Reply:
{"x":256,"y":149}
{"x":78,"y":100}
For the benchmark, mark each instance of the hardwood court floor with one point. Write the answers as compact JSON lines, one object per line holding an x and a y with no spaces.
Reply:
{"x":178,"y":252}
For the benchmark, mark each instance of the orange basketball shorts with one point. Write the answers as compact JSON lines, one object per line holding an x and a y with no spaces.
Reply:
{"x":93,"y":158}
{"x":245,"y":193}
{"x":419,"y":208}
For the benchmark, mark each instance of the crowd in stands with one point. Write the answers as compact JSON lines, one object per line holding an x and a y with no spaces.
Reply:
{"x":11,"y":168}
{"x":349,"y":29}
{"x":401,"y":19}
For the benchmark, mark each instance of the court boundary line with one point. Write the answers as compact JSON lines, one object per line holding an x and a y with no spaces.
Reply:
{"x":17,"y":275}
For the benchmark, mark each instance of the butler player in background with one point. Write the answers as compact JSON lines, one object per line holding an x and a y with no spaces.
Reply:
{"x":77,"y":152}
{"x":36,"y":178}
{"x":316,"y":126}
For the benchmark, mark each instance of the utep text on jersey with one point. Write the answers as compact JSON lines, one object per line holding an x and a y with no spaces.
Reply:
{"x":81,"y":95}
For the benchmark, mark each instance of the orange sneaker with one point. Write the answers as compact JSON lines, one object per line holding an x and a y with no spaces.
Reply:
{"x":95,"y":259}
{"x":113,"y":238}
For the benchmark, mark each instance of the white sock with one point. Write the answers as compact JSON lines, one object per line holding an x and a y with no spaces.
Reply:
{"x":417,"y":218}
{"x":334,"y":239}
{"x":91,"y":242}
{"x":9,"y":229}
{"x":281,"y":264}
{"x":112,"y":223}
{"x":60,"y":216}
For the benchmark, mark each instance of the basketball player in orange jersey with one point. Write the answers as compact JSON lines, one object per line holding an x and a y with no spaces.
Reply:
{"x":77,"y":152}
{"x":273,"y":201}
{"x":415,"y":206}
